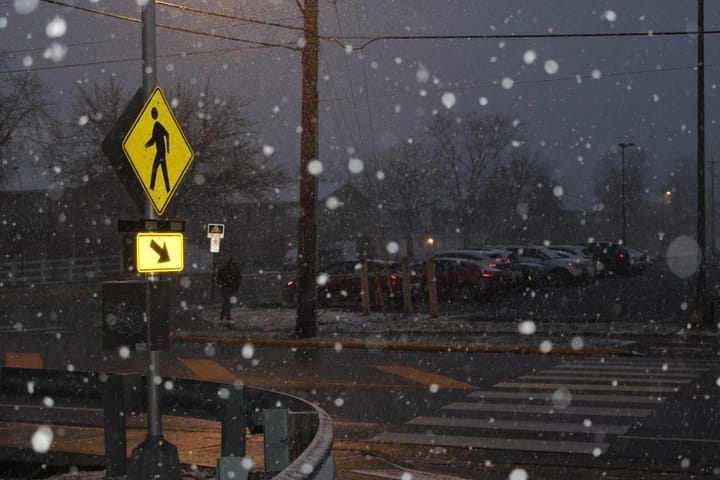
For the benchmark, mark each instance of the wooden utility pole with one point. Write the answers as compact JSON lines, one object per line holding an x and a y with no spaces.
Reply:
{"x":306,"y":322}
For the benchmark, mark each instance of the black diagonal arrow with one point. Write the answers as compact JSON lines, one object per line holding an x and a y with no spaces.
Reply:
{"x":163,"y":252}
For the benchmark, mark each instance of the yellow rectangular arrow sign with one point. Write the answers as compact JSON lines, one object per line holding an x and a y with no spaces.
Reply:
{"x":159,"y":252}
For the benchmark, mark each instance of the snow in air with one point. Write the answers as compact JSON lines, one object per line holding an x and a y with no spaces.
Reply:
{"x":42,"y":439}
{"x":24,"y":7}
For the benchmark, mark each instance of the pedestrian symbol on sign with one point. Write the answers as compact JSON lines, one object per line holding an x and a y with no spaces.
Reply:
{"x":161,"y":139}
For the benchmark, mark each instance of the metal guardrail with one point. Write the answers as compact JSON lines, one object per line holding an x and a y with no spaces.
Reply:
{"x":297,"y":435}
{"x":49,"y":271}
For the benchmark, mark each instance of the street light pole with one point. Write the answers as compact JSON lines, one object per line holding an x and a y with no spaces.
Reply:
{"x":703,"y":311}
{"x":623,"y":146}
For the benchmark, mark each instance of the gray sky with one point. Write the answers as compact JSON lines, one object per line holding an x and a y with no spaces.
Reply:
{"x":578,"y":97}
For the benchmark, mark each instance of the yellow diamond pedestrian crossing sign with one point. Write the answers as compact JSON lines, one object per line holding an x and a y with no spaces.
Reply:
{"x":158,"y":151}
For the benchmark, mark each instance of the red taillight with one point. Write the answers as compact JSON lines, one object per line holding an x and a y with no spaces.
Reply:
{"x":621,"y":255}
{"x":394,"y":277}
{"x":486,"y":275}
{"x":493,"y":265}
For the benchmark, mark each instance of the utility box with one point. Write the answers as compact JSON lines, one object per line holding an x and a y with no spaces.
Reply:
{"x":135,"y":315}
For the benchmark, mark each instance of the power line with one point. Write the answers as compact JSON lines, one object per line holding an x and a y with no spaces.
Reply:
{"x":170,"y":27}
{"x":124,"y":60}
{"x":368,"y":40}
{"x":230,"y":17}
{"x":576,"y":78}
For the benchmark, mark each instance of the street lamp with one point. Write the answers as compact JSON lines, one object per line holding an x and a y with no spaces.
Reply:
{"x":623,"y":146}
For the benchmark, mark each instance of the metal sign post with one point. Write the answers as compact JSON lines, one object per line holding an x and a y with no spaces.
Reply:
{"x":153,"y":458}
{"x":215,"y":232}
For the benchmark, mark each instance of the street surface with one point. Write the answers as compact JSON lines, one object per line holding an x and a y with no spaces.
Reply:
{"x":637,"y":398}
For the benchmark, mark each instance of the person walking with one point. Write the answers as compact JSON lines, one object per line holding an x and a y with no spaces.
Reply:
{"x":229,"y":279}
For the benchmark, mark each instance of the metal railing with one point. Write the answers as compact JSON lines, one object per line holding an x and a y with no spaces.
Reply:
{"x":297,"y":435}
{"x":49,"y":271}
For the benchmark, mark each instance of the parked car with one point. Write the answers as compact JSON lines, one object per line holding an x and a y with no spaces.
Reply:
{"x":611,"y":257}
{"x":583,"y":258}
{"x":532,"y":272}
{"x":512,"y":273}
{"x":639,"y":261}
{"x":340,"y":282}
{"x":557,"y":270}
{"x":458,"y":279}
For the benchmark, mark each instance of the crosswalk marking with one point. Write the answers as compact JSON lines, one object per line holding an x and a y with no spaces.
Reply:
{"x":555,"y":446}
{"x":23,"y":360}
{"x":212,"y":370}
{"x":405,"y":473}
{"x":591,"y":374}
{"x":546,"y":396}
{"x":497,"y":424}
{"x":619,"y":379}
{"x":548,"y":409}
{"x":425,"y":378}
{"x":209,"y":370}
{"x":585,"y":386}
{"x":658,"y":367}
{"x":520,"y":414}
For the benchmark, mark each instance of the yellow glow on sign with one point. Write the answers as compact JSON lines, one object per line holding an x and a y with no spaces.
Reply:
{"x":159,"y":252}
{"x":158,"y":151}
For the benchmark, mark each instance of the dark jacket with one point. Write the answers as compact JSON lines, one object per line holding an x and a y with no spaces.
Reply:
{"x":229,"y":278}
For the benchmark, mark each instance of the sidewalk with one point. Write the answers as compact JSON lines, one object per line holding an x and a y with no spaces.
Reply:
{"x":459,"y":331}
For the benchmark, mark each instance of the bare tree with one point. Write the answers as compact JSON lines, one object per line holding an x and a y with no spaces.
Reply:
{"x":96,"y":108}
{"x":220,"y":133}
{"x":610,"y":192}
{"x":23,"y":120}
{"x":411,"y":187}
{"x":519,"y":201}
{"x":215,"y":127}
{"x":468,"y":149}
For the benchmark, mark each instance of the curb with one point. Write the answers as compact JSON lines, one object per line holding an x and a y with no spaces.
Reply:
{"x":425,"y":347}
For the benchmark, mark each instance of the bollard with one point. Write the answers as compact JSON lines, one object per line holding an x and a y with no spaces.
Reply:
{"x":365,"y":288}
{"x":406,"y":287}
{"x":432,"y":288}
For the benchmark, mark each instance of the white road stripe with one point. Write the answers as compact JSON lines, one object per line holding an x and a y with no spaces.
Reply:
{"x":495,"y":424}
{"x":631,"y":367}
{"x":583,"y":386}
{"x":544,"y":396}
{"x":595,"y":449}
{"x":670,"y":439}
{"x":644,"y":373}
{"x":548,"y":409}
{"x":618,"y":379}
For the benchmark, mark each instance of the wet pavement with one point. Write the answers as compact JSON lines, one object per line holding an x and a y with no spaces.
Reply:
{"x":198,"y":442}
